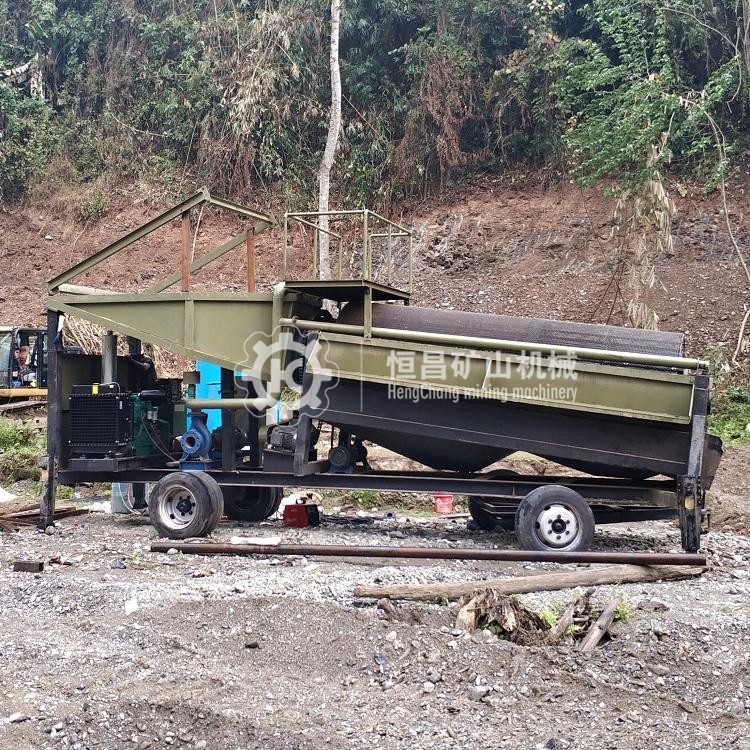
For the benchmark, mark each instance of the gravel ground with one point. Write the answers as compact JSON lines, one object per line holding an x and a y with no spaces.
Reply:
{"x":122,"y":648}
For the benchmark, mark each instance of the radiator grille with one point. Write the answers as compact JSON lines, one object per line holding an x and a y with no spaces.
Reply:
{"x":100,"y":423}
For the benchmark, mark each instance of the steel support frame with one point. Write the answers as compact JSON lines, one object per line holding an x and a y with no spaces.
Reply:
{"x":180,"y":211}
{"x":228,"y":462}
{"x":54,"y":418}
{"x":307,"y":218}
{"x":691,"y":493}
{"x":619,"y":492}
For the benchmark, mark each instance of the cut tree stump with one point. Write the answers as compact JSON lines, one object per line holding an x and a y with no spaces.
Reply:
{"x":505,"y":616}
{"x":529,"y":584}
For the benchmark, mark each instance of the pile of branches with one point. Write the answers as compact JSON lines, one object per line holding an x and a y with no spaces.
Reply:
{"x":580,"y":623}
{"x":89,"y":337}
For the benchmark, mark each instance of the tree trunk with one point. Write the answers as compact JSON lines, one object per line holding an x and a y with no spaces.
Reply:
{"x":532,"y":583}
{"x":334,"y":126}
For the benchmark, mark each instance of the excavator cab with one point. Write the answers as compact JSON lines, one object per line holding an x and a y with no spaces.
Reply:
{"x":23,"y":362}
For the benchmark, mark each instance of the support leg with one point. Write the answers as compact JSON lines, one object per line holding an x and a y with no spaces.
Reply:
{"x":690,"y":487}
{"x":227,"y":422}
{"x":54,"y":418}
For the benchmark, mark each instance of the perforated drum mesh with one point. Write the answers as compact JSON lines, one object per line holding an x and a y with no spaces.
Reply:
{"x":534,"y":330}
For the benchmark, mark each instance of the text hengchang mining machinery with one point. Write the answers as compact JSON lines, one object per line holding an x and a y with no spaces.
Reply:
{"x":454,"y":391}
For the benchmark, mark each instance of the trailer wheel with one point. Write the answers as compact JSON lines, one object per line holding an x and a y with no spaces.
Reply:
{"x":554,"y":518}
{"x":217,"y":501}
{"x":181,"y":506}
{"x":482,"y":512}
{"x":482,"y":509}
{"x":251,"y":503}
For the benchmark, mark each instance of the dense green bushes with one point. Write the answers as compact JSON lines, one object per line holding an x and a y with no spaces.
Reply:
{"x":20,"y":448}
{"x":235,"y":92}
{"x":28,"y":141}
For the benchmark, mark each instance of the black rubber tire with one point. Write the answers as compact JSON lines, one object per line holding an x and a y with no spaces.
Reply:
{"x":534,"y":504}
{"x":217,"y":501}
{"x":276,"y":504}
{"x":186,"y":487}
{"x":484,"y":517}
{"x":251,"y":503}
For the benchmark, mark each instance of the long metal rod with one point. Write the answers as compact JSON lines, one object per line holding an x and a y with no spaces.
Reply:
{"x":388,"y":221}
{"x":54,"y":417}
{"x":445,"y":339}
{"x":313,"y":225}
{"x":264,"y":220}
{"x":366,"y":264}
{"x":347,"y":212}
{"x":427,"y":553}
{"x":411,"y":263}
{"x":285,"y":244}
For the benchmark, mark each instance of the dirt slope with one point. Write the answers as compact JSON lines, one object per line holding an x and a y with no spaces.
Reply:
{"x":493,"y":247}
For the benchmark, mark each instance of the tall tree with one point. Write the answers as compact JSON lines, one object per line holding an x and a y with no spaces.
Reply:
{"x":334,"y":127}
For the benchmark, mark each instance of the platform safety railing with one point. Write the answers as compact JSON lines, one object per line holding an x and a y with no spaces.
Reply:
{"x":388,"y":232}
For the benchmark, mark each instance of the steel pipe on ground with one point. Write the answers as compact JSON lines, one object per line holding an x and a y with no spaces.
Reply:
{"x":427,"y":553}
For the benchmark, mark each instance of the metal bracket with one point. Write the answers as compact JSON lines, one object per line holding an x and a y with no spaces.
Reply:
{"x":203,"y":196}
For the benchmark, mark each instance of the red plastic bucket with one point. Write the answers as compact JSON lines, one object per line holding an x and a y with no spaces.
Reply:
{"x":443,"y":503}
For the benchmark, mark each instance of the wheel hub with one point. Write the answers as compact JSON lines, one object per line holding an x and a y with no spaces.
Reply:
{"x":178,"y":507}
{"x":557,"y":525}
{"x":184,"y":506}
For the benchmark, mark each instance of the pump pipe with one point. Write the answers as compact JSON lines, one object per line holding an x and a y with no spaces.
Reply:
{"x":272,"y":397}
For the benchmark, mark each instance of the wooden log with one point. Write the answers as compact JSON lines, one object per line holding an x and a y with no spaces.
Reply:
{"x":20,"y":405}
{"x":87,"y":290}
{"x":566,"y":619}
{"x":529,"y":584}
{"x":599,"y":628}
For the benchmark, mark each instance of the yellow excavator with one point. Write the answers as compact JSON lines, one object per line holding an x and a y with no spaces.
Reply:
{"x":23,"y":363}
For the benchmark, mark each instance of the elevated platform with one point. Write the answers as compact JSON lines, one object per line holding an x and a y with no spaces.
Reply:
{"x":350,"y":290}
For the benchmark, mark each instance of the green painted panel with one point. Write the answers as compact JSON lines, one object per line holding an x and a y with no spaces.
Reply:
{"x":210,"y":327}
{"x":217,"y":327}
{"x":637,"y":392}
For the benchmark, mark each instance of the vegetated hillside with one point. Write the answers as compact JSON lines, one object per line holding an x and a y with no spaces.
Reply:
{"x":239,"y":91}
{"x":100,"y":94}
{"x":491,"y":247}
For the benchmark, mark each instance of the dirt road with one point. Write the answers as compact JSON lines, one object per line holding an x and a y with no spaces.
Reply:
{"x":122,"y":648}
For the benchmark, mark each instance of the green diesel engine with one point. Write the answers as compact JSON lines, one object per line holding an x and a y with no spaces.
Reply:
{"x":107,"y":422}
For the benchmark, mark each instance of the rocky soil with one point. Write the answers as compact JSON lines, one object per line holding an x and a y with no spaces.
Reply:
{"x":120,"y":648}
